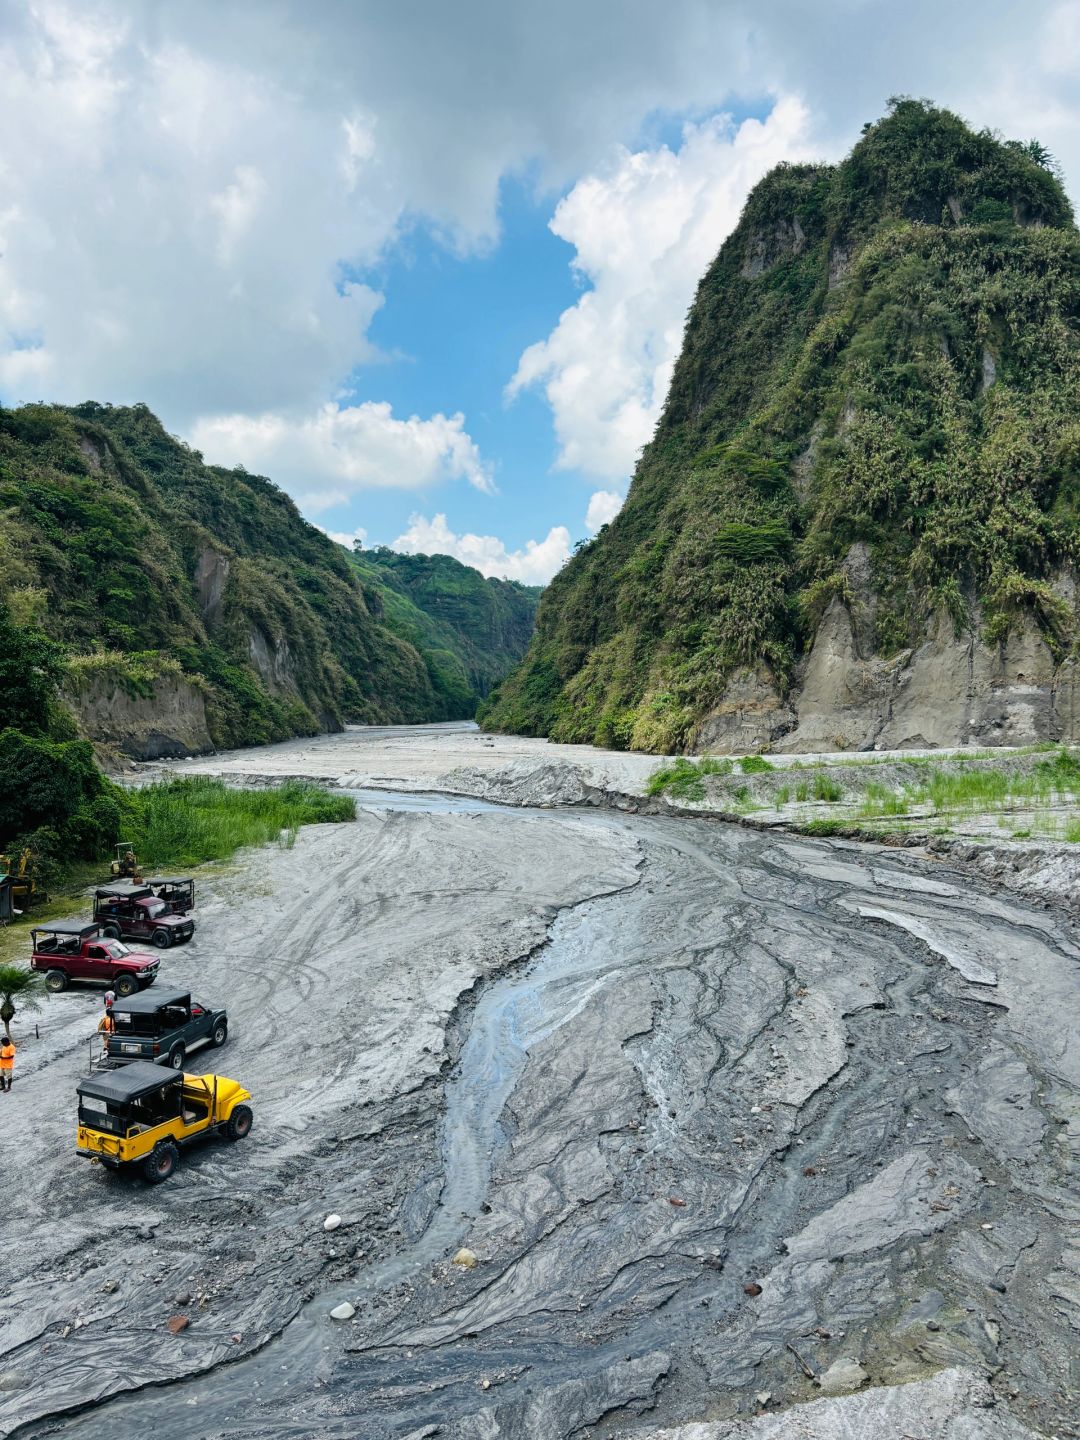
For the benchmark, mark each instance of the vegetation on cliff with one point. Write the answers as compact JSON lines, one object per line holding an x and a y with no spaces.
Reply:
{"x":884,"y":353}
{"x":119,"y":543}
{"x":470,"y":631}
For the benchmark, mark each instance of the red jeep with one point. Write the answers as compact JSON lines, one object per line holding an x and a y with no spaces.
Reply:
{"x":73,"y":950}
{"x":136,"y":913}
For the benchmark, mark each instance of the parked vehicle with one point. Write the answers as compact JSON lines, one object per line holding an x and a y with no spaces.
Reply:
{"x":176,"y":892}
{"x":135,"y":912}
{"x":141,"y":1115}
{"x":163,"y":1028}
{"x":126,"y":862}
{"x":68,"y":950}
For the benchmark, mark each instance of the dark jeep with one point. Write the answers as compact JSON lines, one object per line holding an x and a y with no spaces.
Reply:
{"x":134,"y":912}
{"x":163,"y":1028}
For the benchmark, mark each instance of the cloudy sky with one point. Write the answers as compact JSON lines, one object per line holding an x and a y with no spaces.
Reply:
{"x":427,"y":264}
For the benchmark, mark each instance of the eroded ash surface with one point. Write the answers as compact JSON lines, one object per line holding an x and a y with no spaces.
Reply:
{"x":757,"y":1106}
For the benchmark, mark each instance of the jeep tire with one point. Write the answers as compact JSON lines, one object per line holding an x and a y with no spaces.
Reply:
{"x":160,"y":1163}
{"x":125,"y":985}
{"x":111,"y":931}
{"x":161,"y":938}
{"x":177,"y":1056}
{"x":238,"y":1124}
{"x":56,"y":980}
{"x":219,"y":1034}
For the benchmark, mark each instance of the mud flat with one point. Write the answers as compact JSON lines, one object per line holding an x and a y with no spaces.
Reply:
{"x":750,"y":1135}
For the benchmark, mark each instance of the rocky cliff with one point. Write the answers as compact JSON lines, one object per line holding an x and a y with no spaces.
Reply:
{"x":196,"y":605}
{"x":856,"y":525}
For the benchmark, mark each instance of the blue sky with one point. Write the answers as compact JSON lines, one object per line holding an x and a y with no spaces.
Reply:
{"x":427,"y":266}
{"x":453,"y":329}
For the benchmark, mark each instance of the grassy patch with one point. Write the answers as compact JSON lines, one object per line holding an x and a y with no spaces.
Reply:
{"x":827,"y":789}
{"x":685,"y":778}
{"x":980,"y":789}
{"x":754,"y":765}
{"x":189,"y":821}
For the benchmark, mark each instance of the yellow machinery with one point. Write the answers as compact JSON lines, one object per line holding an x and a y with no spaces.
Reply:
{"x":126,"y":865}
{"x":141,"y":1114}
{"x":23,"y":882}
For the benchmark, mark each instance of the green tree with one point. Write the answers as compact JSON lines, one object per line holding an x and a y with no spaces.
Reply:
{"x":31,"y":667}
{"x":17,"y":984}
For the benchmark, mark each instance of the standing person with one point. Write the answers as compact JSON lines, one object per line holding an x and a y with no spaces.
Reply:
{"x":107,"y":1025}
{"x":7,"y":1062}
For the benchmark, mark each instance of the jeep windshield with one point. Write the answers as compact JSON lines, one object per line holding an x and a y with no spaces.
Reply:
{"x":114,"y":948}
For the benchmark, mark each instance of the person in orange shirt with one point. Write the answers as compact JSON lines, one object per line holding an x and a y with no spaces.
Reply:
{"x":7,"y":1063}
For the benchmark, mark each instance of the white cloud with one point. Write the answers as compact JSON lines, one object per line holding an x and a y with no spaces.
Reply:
{"x":604,"y":505}
{"x":191,"y":189}
{"x":534,"y":565}
{"x":348,"y":538}
{"x":325,"y":458}
{"x":643,"y":232}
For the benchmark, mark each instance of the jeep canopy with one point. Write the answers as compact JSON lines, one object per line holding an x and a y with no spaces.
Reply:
{"x":121,"y":1087}
{"x":148,"y":1004}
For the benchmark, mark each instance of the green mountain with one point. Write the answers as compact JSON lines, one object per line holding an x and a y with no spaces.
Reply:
{"x":470,"y":631}
{"x":856,"y":523}
{"x":198,"y":608}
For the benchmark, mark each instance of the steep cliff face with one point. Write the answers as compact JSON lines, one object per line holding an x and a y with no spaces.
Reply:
{"x":197,"y":606}
{"x":168,"y":719}
{"x":857,"y":522}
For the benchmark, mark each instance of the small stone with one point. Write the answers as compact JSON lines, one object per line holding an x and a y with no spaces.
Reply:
{"x":763,"y":1397}
{"x":986,"y":1227}
{"x":176,"y":1323}
{"x":676,"y":1201}
{"x":466,"y":1258}
{"x":184,"y":1298}
{"x":753,"y":1288}
{"x":110,"y":1287}
{"x":331,"y":1222}
{"x":485,"y":1384}
{"x":344,"y":1311}
{"x":842,"y":1376}
{"x":932,"y":1325}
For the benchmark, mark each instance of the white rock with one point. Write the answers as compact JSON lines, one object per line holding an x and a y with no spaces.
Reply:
{"x":763,"y":1397}
{"x":465,"y":1258}
{"x":344,"y":1311}
{"x":331,"y":1222}
{"x":842,"y":1376}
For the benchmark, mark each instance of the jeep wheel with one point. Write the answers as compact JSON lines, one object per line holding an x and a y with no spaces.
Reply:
{"x":160,"y":1163}
{"x":56,"y":981}
{"x":239,"y":1123}
{"x":112,"y":931}
{"x":161,"y":938}
{"x":176,"y":1057}
{"x":219,"y":1034}
{"x":125,"y":985}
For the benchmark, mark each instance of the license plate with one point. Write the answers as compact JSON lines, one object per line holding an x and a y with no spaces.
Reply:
{"x":131,"y":1049}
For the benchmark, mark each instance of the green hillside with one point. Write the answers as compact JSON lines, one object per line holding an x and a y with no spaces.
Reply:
{"x":148,"y":566}
{"x":470,"y":631}
{"x":885,"y":354}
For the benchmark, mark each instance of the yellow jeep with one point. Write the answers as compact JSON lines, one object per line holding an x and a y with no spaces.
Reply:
{"x":141,"y":1115}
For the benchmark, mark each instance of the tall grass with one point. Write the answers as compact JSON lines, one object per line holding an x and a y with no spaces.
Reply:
{"x":982,"y":789}
{"x":188,"y":821}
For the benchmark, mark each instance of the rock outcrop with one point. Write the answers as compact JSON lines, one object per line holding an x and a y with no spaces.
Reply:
{"x":170,"y":720}
{"x":953,"y":689}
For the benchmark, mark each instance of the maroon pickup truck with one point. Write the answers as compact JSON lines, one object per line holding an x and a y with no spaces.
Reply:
{"x":70,"y":950}
{"x":134,"y":912}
